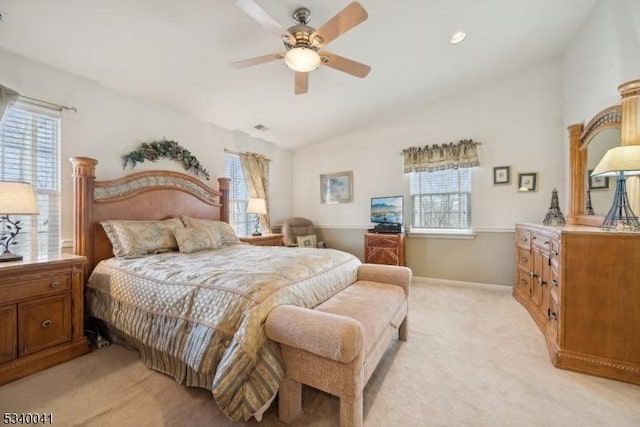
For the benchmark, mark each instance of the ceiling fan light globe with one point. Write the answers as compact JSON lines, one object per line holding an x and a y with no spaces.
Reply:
{"x":302,"y":59}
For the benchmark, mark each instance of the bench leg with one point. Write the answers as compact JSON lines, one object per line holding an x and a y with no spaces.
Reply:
{"x":403,"y":330}
{"x":351,"y":411}
{"x":289,"y":400}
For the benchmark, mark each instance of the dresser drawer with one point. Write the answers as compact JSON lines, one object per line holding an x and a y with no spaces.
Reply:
{"x":524,"y":259}
{"x":541,"y":242}
{"x":44,"y":322}
{"x":523,"y":239}
{"x":523,"y":282}
{"x":37,"y":286}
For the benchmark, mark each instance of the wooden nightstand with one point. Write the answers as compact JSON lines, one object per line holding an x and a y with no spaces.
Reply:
{"x":381,"y":248}
{"x":41,"y":314}
{"x":264,"y":240}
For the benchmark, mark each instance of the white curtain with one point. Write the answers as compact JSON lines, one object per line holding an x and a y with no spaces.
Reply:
{"x":8,"y":97}
{"x":255,"y":168}
{"x":430,"y":158}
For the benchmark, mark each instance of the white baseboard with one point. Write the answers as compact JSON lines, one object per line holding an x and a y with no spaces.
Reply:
{"x":434,"y":281}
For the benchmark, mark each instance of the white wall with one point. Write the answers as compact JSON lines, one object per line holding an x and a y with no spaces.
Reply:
{"x":604,"y":54}
{"x":518,"y":119}
{"x":109,"y":124}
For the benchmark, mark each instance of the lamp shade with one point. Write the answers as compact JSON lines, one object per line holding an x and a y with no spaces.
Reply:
{"x":625,"y":159}
{"x":17,"y":198}
{"x":302,"y":59}
{"x":257,"y":206}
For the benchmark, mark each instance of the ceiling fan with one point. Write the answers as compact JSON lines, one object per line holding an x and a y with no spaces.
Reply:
{"x":302,"y":43}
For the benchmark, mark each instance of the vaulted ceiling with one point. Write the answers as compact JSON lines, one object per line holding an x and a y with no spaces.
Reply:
{"x":178,"y":53}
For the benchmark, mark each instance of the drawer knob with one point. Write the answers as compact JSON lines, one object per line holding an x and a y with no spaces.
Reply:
{"x":555,"y":253}
{"x":524,"y":239}
{"x":47,"y":323}
{"x":554,"y":282}
{"x":546,"y":243}
{"x":525,"y":259}
{"x":55,"y":284}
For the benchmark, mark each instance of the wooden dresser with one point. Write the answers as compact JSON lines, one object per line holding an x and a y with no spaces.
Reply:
{"x":41,"y":314}
{"x":581,"y":285}
{"x":382,"y":248}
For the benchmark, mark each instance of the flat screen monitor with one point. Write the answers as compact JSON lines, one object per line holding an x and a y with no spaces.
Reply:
{"x":387,"y":209}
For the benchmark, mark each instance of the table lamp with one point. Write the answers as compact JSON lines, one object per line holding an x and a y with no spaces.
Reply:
{"x":620,"y":162}
{"x":258,"y":207}
{"x":16,"y":198}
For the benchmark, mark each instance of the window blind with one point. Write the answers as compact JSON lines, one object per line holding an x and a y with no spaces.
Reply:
{"x":441,"y":199}
{"x":30,"y":152}
{"x":238,"y":196}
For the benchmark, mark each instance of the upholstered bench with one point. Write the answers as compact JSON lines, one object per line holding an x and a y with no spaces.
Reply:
{"x":343,"y":340}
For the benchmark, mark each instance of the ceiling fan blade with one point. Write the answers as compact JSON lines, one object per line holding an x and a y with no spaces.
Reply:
{"x":345,"y":65}
{"x":252,"y":9}
{"x":302,"y":83}
{"x":258,"y":60}
{"x":345,"y":20}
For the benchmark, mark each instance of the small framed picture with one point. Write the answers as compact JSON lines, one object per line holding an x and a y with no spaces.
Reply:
{"x":336,"y":187}
{"x":527,"y":181}
{"x":501,"y":175}
{"x":307,"y":241}
{"x":598,"y":182}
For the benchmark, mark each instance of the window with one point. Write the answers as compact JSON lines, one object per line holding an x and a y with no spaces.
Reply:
{"x":441,"y":199}
{"x":30,"y":152}
{"x":238,"y":196}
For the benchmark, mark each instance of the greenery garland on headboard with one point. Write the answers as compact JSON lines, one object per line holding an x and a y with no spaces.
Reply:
{"x":155,"y":150}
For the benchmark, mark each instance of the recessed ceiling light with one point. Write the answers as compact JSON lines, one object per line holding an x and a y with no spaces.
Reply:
{"x":457,"y":37}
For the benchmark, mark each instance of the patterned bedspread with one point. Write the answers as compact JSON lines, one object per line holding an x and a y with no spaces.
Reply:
{"x":199,"y":317}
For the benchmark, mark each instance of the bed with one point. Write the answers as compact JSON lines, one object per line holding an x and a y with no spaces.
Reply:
{"x":197,"y":316}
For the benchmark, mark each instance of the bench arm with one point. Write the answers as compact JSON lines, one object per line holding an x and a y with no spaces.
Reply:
{"x":331,"y":336}
{"x":391,"y":274}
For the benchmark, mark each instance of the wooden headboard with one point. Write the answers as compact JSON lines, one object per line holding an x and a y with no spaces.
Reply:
{"x":151,"y":195}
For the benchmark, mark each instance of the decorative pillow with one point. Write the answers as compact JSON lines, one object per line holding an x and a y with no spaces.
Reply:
{"x":223,"y":231}
{"x":195,"y":239}
{"x":137,"y":238}
{"x":307,"y":241}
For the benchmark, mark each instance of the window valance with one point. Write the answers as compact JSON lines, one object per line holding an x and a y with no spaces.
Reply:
{"x":463,"y":154}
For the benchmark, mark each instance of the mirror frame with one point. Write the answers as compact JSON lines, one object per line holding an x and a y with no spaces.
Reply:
{"x":579,"y":137}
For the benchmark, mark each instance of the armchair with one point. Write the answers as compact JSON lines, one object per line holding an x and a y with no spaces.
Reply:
{"x":295,"y":227}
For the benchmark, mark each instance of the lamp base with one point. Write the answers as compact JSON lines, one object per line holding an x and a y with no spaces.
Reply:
{"x":620,"y":216}
{"x":8,"y":256}
{"x":256,"y":233}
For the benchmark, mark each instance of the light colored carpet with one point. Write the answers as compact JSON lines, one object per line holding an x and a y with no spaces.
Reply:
{"x":474,"y":358}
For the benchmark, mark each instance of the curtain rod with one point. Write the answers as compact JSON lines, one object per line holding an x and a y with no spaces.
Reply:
{"x":37,"y":101}
{"x":226,"y":150}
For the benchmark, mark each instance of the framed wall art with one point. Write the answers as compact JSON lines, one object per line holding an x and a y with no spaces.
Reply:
{"x":598,"y":182}
{"x":527,"y":181}
{"x":501,"y":175}
{"x":336,"y":187}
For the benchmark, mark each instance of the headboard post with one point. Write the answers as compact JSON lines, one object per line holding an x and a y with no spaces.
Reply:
{"x":223,"y":187}
{"x":84,"y":176}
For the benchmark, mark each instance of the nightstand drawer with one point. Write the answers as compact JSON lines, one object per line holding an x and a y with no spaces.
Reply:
{"x":35,"y":287}
{"x":44,"y":322}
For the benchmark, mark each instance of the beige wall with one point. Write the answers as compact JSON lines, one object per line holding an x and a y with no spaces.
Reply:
{"x":488,"y":257}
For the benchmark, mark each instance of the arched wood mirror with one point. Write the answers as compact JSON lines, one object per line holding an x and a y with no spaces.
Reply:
{"x":587,"y":145}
